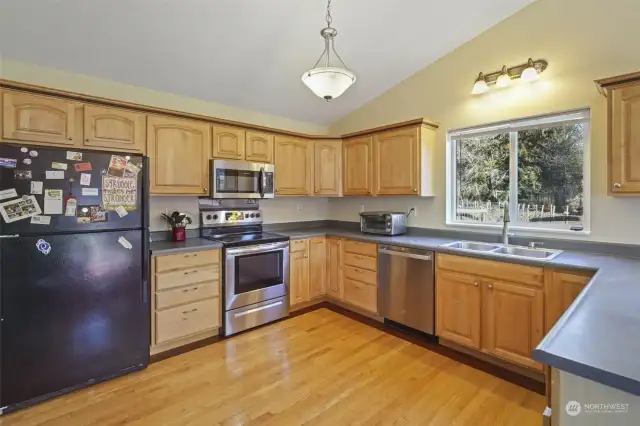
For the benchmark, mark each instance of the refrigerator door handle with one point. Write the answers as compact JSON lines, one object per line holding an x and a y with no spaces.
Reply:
{"x":10,"y":236}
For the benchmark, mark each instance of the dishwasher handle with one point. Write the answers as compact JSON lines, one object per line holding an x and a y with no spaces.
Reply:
{"x":403,"y":254}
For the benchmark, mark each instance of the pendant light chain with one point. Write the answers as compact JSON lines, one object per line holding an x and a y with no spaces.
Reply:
{"x":329,"y":18}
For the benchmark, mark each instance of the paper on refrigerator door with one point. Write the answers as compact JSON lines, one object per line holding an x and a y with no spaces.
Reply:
{"x":8,"y":193}
{"x":125,"y":243}
{"x":53,"y":201}
{"x":36,"y":187}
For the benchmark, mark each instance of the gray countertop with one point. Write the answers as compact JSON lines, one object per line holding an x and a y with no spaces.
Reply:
{"x":598,"y":337}
{"x":190,"y":244}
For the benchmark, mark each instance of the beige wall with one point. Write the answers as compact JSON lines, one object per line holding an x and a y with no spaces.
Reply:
{"x":582,"y":39}
{"x":49,"y":77}
{"x":274,"y":211}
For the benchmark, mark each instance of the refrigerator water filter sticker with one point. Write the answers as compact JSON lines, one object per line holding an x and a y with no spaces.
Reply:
{"x":85,"y":179}
{"x":36,"y":187}
{"x":53,"y":201}
{"x":59,"y":166}
{"x":41,"y":220}
{"x":19,"y":209}
{"x":54,"y":174}
{"x":82,"y":167}
{"x":8,"y":162}
{"x":125,"y":243}
{"x":74,"y":156}
{"x":119,"y":192}
{"x":8,"y":193}
{"x":43,"y":247}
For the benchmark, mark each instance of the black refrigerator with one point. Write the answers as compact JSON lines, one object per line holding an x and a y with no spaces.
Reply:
{"x":74,"y":259}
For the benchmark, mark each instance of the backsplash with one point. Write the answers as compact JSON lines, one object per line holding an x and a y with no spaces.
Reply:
{"x":274,"y":211}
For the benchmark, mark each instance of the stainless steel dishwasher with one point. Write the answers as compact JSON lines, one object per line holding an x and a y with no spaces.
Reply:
{"x":406,"y":291}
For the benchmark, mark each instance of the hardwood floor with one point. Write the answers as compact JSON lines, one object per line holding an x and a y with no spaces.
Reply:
{"x":320,"y":368}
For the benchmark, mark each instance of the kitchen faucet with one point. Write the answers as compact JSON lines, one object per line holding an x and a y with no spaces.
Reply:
{"x":505,"y":223}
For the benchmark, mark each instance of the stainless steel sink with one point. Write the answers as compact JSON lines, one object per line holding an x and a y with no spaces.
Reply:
{"x":500,"y":250}
{"x":470,"y":245}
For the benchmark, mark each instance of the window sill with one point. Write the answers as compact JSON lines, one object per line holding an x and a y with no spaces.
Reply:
{"x":520,"y":230}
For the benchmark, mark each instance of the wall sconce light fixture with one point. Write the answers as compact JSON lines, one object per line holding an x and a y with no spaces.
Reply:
{"x":526,"y":72}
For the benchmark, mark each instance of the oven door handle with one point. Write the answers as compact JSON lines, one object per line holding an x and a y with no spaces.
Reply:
{"x":262,"y":183}
{"x":262,"y":248}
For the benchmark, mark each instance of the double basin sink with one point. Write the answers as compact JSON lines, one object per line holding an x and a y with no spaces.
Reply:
{"x":501,"y":250}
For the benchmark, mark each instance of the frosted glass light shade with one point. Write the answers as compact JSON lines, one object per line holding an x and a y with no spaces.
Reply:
{"x":480,"y":87}
{"x":503,"y":80}
{"x":530,"y":74}
{"x":328,"y":82}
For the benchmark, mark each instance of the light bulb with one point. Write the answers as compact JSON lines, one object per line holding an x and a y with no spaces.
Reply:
{"x":530,"y":73}
{"x":480,"y":86}
{"x":503,"y":79}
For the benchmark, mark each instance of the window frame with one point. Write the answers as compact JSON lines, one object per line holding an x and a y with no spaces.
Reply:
{"x":512,"y":127}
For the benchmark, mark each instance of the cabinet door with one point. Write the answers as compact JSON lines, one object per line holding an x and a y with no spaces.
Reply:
{"x":228,"y":142}
{"x":317,"y":267}
{"x":561,"y":289}
{"x":259,"y":147}
{"x":458,"y":308}
{"x":356,"y":171}
{"x":624,"y":143}
{"x":512,"y":318}
{"x":335,"y":287}
{"x":293,"y":166}
{"x":298,"y":277}
{"x":396,"y":162}
{"x":114,"y":129}
{"x":178,"y":153}
{"x":327,"y":167}
{"x":41,"y":119}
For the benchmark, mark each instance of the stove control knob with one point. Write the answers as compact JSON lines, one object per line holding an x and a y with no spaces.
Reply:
{"x":215,"y":217}
{"x":246,"y":215}
{"x":257,"y":214}
{"x":253,"y":215}
{"x":209,"y":217}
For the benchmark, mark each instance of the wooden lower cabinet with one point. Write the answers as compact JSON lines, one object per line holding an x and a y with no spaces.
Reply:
{"x":186,"y":305}
{"x":458,"y":308}
{"x":335,"y":258}
{"x":513,"y":321}
{"x":298,"y":277}
{"x":561,"y":289}
{"x":307,"y":270}
{"x":317,"y":267}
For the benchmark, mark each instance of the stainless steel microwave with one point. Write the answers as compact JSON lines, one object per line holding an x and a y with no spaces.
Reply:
{"x":241,"y":179}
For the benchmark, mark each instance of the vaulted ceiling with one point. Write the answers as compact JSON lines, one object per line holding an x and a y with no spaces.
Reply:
{"x":244,"y":53}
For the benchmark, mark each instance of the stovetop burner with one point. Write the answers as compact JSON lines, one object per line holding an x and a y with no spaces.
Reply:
{"x":245,"y":239}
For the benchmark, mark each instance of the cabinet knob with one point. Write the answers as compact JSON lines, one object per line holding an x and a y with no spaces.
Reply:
{"x":415,"y":189}
{"x":490,"y":286}
{"x":617,"y":185}
{"x":277,"y":190}
{"x":316,"y":191}
{"x":475,"y":284}
{"x":70,"y":138}
{"x":206,"y":189}
{"x":305,"y":256}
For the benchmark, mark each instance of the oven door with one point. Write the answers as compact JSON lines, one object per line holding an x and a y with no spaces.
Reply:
{"x":256,"y":273}
{"x":241,"y":179}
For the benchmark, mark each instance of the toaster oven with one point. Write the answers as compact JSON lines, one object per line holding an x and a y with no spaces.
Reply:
{"x":383,"y":223}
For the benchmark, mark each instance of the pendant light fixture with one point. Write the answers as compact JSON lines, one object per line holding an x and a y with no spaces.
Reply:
{"x":527,"y":72}
{"x":326,"y":81}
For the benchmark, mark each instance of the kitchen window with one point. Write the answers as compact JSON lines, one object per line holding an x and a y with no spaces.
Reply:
{"x":538,"y":166}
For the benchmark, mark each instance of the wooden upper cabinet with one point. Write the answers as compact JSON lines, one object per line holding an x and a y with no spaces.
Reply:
{"x":396,"y":162}
{"x":357,"y":174}
{"x":458,"y":310}
{"x":624,"y":140}
{"x":327,"y":168}
{"x":178,"y":153}
{"x":317,"y":267}
{"x":335,"y":284}
{"x":259,"y":147}
{"x":561,"y":289}
{"x":293,"y":166}
{"x":34,"y":118}
{"x":114,"y":129}
{"x":228,"y":142}
{"x":513,"y":321}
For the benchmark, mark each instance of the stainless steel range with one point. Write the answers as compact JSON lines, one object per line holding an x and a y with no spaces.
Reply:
{"x":256,"y":268}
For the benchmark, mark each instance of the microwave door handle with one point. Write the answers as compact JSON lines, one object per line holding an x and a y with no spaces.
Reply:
{"x":263,"y":182}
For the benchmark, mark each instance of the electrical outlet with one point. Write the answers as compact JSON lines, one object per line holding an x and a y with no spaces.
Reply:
{"x":361,"y":208}
{"x":298,"y":208}
{"x":415,"y":211}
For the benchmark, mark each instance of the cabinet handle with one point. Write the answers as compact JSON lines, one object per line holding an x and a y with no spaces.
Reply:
{"x":475,"y":284}
{"x":357,"y":270}
{"x":358,"y":257}
{"x":188,"y":312}
{"x":191,"y":255}
{"x":70,"y":138}
{"x":191,"y":272}
{"x":617,"y":185}
{"x":490,"y":286}
{"x":277,"y":190}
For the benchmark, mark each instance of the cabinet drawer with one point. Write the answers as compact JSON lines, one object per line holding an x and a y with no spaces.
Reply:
{"x":367,"y":249}
{"x":505,"y":271}
{"x":184,"y":277}
{"x":360,"y":261}
{"x":359,"y":274}
{"x":188,"y":319}
{"x":298,"y":245}
{"x":187,"y":260}
{"x":362,"y":295}
{"x":192,"y":293}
